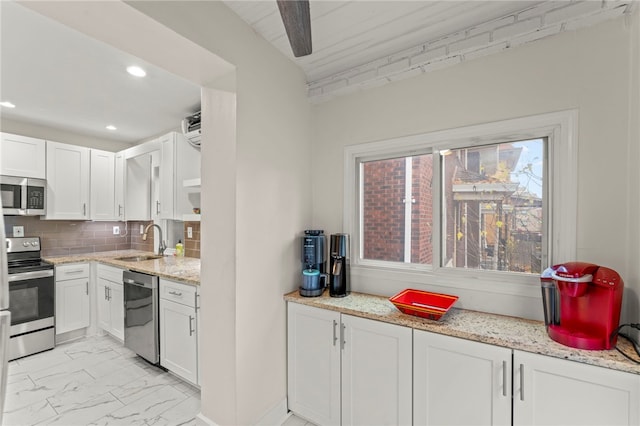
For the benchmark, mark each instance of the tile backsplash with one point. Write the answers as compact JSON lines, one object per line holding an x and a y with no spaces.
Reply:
{"x":66,"y":237}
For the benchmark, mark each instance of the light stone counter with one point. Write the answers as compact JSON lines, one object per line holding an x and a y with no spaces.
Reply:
{"x":182,"y":269}
{"x":510,"y":332}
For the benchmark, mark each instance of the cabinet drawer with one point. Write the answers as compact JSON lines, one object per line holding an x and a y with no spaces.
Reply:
{"x":181,"y":293}
{"x":110,"y":273}
{"x":72,"y":271}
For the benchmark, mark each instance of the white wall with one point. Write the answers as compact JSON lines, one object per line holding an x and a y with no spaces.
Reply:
{"x":257,"y":226}
{"x":57,"y":135}
{"x":588,"y":70}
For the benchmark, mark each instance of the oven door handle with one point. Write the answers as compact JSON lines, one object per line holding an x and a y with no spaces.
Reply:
{"x":22,"y":276}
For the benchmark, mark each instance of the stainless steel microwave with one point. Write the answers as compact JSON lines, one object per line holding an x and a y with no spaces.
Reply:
{"x":23,"y":196}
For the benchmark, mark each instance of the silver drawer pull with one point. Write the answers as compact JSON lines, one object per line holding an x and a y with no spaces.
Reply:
{"x":175,"y":293}
{"x":77,"y":271}
{"x":191,"y":330}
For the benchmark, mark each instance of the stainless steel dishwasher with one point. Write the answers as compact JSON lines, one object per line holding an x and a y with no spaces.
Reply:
{"x":141,"y":315}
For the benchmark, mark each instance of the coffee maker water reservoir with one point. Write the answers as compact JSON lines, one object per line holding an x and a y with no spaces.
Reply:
{"x":314,"y":278}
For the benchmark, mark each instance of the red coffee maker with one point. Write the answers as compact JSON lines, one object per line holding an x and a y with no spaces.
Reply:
{"x":584,"y":307}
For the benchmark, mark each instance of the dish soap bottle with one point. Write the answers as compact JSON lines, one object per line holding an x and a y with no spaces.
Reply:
{"x":179,"y":249}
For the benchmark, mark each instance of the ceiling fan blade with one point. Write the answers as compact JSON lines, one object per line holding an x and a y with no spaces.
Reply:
{"x":297,"y":22}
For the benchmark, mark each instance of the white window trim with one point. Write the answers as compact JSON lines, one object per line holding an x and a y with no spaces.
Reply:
{"x":561,"y":130}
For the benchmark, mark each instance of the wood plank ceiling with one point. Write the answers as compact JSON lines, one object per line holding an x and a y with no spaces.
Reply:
{"x":349,"y":33}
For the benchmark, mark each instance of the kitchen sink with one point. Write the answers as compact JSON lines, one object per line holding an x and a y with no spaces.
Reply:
{"x":138,"y":258}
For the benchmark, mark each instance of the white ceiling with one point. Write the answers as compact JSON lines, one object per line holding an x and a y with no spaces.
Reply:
{"x":346,"y":34}
{"x":60,"y":78}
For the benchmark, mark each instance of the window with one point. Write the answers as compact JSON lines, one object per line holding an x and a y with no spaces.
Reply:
{"x":493,"y":201}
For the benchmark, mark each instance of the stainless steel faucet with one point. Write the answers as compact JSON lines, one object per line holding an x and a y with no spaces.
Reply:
{"x":161,"y":246}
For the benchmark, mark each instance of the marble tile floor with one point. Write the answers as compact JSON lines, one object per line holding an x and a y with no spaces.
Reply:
{"x":96,"y":381}
{"x":297,"y":421}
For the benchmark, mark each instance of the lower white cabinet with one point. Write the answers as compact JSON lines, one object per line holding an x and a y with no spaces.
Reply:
{"x":178,"y":329}
{"x":451,"y":373}
{"x":348,"y":370}
{"x":552,"y":391}
{"x":73,"y":305}
{"x":110,"y":300}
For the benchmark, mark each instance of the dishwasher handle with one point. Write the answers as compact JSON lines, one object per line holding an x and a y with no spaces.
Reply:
{"x":139,"y":284}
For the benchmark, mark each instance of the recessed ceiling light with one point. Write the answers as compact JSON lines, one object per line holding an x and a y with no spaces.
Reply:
{"x":137,"y":71}
{"x":111,"y":127}
{"x":7,"y":104}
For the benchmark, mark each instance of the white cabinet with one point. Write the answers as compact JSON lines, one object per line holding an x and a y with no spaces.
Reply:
{"x":348,"y":370}
{"x":551,"y":391}
{"x":376,"y":373}
{"x":72,"y":297}
{"x":450,"y":373}
{"x":22,"y":156}
{"x":119,"y":190}
{"x":110,"y":300}
{"x":180,"y":161}
{"x":103,"y":204}
{"x":68,"y":173}
{"x":179,"y":329}
{"x":142,"y":170}
{"x":313,"y":355}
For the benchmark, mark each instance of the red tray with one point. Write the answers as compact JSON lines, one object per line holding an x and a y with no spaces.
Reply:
{"x":423,"y":303}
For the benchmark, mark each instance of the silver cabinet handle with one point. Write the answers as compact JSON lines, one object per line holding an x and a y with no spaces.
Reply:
{"x":175,"y":293}
{"x":335,"y":337}
{"x":109,"y":293}
{"x":87,"y":287}
{"x":105,"y":293}
{"x":77,"y":271}
{"x":521,"y":382}
{"x":119,"y":210}
{"x":84,"y":209}
{"x":342,"y":333}
{"x":191,"y":330}
{"x":157,"y":207}
{"x":504,"y":378}
{"x":195,"y":302}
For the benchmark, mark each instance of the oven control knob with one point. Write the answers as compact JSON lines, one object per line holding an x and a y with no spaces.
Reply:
{"x":34,"y":243}
{"x":25,"y":244}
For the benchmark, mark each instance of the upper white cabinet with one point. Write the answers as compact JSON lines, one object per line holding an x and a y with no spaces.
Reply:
{"x":552,"y":391}
{"x":348,"y":370}
{"x":140,"y":195}
{"x":450,"y":373}
{"x":180,"y":161}
{"x":120,"y":173}
{"x":68,"y":174}
{"x":22,"y":156}
{"x":103,"y":205}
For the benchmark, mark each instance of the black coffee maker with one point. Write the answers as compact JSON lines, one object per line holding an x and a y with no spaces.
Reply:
{"x":339,"y":265}
{"x":314,"y":278}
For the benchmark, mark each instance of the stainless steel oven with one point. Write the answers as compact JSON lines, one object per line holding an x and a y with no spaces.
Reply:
{"x":23,"y":196}
{"x":31,"y":298}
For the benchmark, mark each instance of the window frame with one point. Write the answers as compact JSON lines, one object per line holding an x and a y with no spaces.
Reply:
{"x":560,"y":130}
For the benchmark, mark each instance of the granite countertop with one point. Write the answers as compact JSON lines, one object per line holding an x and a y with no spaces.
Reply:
{"x":509,"y":332}
{"x":182,"y":269}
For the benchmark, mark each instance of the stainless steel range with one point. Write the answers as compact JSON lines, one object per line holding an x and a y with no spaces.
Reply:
{"x":31,"y":298}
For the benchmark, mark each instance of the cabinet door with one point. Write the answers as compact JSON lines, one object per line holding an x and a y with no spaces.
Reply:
{"x":120,"y":164}
{"x":67,"y":181}
{"x":167,"y":176}
{"x":103,"y":185}
{"x":551,"y":391}
{"x":376,"y":373}
{"x":138,"y":193}
{"x":72,"y":305}
{"x":313,"y":355}
{"x":22,"y":156}
{"x":102,"y":303}
{"x":178,"y":339}
{"x":116,"y":309}
{"x":450,"y":373}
